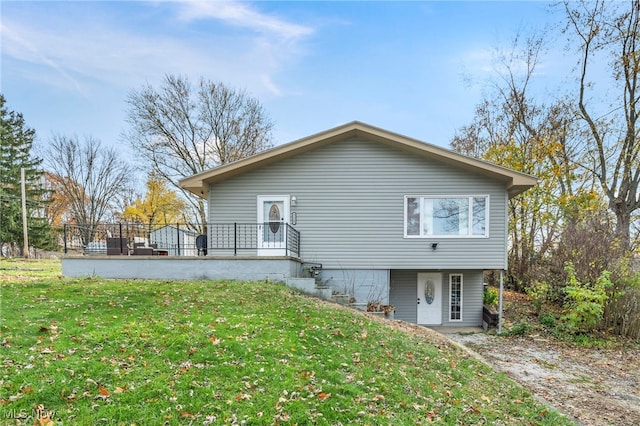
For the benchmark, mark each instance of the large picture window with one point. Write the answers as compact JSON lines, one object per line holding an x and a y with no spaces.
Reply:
{"x":458,"y":216}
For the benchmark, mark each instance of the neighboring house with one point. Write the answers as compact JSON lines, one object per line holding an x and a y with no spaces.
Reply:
{"x":389,"y":218}
{"x":177,"y":241}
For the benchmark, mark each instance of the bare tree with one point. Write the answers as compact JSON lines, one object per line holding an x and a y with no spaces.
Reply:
{"x":182,"y":130}
{"x":610,"y":31}
{"x":515,"y":130}
{"x":92,"y":178}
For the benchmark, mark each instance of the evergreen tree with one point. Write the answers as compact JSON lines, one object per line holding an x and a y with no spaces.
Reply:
{"x":16,"y":140}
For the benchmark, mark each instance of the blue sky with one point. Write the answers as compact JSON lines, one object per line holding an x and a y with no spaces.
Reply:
{"x":415,"y":68}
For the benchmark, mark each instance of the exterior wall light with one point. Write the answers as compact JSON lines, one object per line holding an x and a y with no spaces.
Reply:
{"x":434,"y":246}
{"x":294,"y":200}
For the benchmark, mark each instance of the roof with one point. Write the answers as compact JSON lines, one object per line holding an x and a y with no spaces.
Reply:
{"x":516,"y":182}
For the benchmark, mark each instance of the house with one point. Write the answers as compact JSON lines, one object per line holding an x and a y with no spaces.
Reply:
{"x":177,"y":241}
{"x":380,"y":216}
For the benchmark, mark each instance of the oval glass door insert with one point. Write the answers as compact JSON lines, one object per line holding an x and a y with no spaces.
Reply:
{"x":429,"y":291}
{"x":274,"y":218}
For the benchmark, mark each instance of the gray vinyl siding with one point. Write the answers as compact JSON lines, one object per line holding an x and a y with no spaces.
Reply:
{"x":472,"y":288}
{"x":350,"y":207}
{"x":403,"y":293}
{"x":403,"y":296}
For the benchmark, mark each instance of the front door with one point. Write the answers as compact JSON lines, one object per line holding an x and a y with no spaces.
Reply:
{"x":429,"y":298}
{"x":273,"y":214}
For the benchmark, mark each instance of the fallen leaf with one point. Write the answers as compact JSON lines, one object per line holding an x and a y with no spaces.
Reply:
{"x":323,"y":395}
{"x":472,"y":409}
{"x":43,"y":421}
{"x":103,"y":391}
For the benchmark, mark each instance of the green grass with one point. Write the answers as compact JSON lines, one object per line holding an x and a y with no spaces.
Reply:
{"x":93,"y":351}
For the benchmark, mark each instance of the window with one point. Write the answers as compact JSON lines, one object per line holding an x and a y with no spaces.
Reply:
{"x":455,"y":297}
{"x":464,"y":216}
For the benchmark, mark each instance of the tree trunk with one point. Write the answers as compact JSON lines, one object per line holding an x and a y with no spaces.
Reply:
{"x":623,"y":225}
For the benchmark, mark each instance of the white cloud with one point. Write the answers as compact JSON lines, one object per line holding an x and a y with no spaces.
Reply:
{"x":99,"y":49}
{"x":19,"y":45}
{"x":242,"y":15}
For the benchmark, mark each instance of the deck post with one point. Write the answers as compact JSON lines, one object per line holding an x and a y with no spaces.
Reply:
{"x":500,"y":302}
{"x":235,"y":238}
{"x":121,"y":245}
{"x":178,"y":237}
{"x":286,"y":238}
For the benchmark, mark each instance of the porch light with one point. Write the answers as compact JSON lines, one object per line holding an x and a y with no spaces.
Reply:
{"x":294,"y":200}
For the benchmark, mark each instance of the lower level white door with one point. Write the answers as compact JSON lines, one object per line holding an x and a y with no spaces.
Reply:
{"x":429,"y":298}
{"x":273,"y":214}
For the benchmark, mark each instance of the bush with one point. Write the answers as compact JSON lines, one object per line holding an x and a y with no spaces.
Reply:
{"x":490,"y":297}
{"x":622,"y":313}
{"x":520,"y":329}
{"x":589,"y":244}
{"x":539,"y":293}
{"x":548,"y":320}
{"x":585,"y":303}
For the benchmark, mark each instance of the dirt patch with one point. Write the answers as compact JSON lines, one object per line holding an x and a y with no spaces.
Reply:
{"x":592,"y":385}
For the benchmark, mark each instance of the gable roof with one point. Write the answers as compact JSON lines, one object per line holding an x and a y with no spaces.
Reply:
{"x":516,"y":182}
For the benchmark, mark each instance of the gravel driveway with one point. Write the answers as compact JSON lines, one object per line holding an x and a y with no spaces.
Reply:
{"x":594,"y":386}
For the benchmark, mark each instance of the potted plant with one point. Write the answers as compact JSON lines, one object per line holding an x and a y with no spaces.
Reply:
{"x":376,"y":307}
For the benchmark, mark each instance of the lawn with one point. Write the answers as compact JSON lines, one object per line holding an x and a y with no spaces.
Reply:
{"x":122,"y":352}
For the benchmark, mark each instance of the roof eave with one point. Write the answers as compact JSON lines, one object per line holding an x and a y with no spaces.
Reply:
{"x":199,"y":184}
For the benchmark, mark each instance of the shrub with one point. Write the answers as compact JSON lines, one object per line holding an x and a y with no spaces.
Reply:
{"x":539,"y":293}
{"x":520,"y":329}
{"x":490,"y":297}
{"x":622,"y":313}
{"x":589,"y":244}
{"x":585,"y":303}
{"x":548,"y":320}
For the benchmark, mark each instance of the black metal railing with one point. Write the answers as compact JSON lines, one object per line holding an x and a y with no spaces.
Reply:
{"x":262,"y":238}
{"x":269,"y":238}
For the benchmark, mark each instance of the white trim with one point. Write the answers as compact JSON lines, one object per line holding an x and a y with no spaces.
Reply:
{"x":277,"y":249}
{"x":470,"y":219}
{"x":461,"y":297}
{"x":421,"y":315}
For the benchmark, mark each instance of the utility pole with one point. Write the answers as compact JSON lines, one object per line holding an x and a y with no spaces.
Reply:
{"x":25,"y":246}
